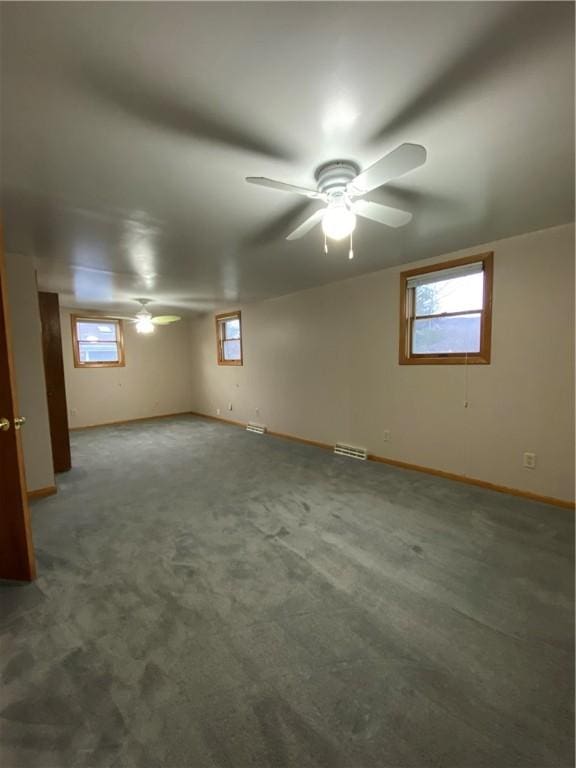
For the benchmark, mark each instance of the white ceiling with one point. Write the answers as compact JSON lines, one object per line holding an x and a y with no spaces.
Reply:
{"x":128,"y":129}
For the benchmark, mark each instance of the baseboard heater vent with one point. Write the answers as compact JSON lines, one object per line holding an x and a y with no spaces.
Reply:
{"x":257,"y":428}
{"x":349,"y":450}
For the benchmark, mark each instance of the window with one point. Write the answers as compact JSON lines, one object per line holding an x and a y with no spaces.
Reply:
{"x":446,"y":312}
{"x":229,"y":336}
{"x":98,"y":342}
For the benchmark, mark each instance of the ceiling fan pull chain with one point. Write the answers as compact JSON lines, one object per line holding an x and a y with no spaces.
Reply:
{"x":325,"y":243}
{"x":351,"y":251}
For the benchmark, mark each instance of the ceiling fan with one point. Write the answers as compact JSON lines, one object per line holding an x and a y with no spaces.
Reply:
{"x":341,"y":185}
{"x":145,"y":321}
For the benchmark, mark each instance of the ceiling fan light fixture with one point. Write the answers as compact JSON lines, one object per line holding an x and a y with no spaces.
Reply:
{"x":144,"y":325}
{"x":338,"y":222}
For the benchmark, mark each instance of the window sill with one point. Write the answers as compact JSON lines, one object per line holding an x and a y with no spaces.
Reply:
{"x":446,"y":360}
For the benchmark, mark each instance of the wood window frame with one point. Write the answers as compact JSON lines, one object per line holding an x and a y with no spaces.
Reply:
{"x":120,"y":363}
{"x":406,"y":356}
{"x":219,"y":319}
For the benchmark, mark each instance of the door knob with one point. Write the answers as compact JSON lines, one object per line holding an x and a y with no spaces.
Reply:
{"x":19,"y":421}
{"x":4,"y":424}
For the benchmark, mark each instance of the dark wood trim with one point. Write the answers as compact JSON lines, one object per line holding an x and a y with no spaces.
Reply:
{"x":414,"y":467}
{"x":448,"y":359}
{"x":119,"y":341}
{"x":42,"y":493}
{"x":55,"y":382}
{"x":17,"y":557}
{"x":131,"y":421}
{"x":405,"y":355}
{"x":219,"y":340}
{"x":486,"y":343}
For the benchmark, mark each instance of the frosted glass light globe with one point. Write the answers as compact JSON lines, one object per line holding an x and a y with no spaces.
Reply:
{"x":338,"y":222}
{"x":144,"y":325}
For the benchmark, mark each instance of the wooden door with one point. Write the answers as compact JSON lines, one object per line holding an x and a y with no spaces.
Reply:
{"x":55,"y":385}
{"x":17,"y":559}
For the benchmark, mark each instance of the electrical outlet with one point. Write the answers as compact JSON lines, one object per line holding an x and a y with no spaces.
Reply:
{"x":386,"y":435}
{"x":257,"y":411}
{"x":229,"y":406}
{"x":217,"y":411}
{"x":529,"y":460}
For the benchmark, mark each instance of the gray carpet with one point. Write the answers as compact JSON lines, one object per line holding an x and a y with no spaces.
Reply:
{"x":212,"y":598}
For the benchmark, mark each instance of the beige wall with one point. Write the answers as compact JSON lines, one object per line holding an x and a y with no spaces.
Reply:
{"x":29,"y":370}
{"x":323,"y":364}
{"x":156,"y":379}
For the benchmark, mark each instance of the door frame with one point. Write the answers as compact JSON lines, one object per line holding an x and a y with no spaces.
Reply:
{"x":17,"y":559}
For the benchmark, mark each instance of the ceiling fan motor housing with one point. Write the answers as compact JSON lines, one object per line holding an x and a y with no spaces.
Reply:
{"x":333,"y":177}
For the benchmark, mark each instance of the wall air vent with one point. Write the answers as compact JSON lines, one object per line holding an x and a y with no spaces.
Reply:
{"x":350,"y":450}
{"x":257,"y":428}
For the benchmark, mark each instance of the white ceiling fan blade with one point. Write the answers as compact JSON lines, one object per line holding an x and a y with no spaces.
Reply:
{"x":307,"y":225}
{"x":383,"y":214}
{"x":165,"y":319}
{"x":401,"y":160}
{"x":264,"y":182}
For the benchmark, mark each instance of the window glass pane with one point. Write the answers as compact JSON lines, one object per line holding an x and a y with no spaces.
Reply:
{"x":96,"y":331}
{"x":98,"y":353}
{"x":457,"y":294}
{"x":231,"y":350}
{"x":446,"y":334}
{"x":232,"y":329}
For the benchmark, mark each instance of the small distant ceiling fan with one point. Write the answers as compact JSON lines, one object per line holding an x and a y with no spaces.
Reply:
{"x":342,"y":186}
{"x":146,"y":322}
